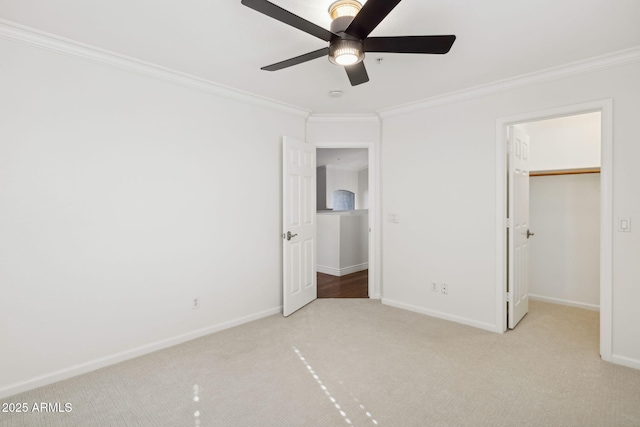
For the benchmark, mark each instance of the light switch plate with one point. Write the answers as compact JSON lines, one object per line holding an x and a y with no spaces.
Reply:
{"x":624,"y":225}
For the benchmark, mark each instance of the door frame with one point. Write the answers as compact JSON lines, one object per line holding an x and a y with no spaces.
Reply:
{"x":374,"y":210}
{"x":605,"y":107}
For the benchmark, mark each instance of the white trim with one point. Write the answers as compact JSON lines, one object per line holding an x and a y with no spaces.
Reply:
{"x":597,"y":63}
{"x":625,"y":361}
{"x":606,"y":231}
{"x":83,"y":368}
{"x":586,"y":306}
{"x":32,"y":37}
{"x":339,"y":272}
{"x":374,"y":209}
{"x":502,"y":222}
{"x":605,"y":106}
{"x":441,"y":315}
{"x":328,"y":270}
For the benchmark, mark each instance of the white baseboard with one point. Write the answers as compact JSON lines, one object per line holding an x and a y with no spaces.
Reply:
{"x":440,"y":315}
{"x":83,"y":368}
{"x":625,"y":361}
{"x":342,"y":271}
{"x":327,"y":270}
{"x":570,"y":303}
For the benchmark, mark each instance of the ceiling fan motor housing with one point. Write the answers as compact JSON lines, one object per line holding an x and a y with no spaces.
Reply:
{"x":345,"y":43}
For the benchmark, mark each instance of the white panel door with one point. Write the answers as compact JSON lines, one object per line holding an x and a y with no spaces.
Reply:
{"x":518,"y":301}
{"x":299,"y":224}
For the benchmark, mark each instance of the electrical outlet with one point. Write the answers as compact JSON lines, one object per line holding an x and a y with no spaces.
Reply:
{"x":434,"y":287}
{"x":445,"y":288}
{"x":196,"y":303}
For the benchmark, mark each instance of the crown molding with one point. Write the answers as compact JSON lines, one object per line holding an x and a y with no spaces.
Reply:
{"x":32,"y":37}
{"x":333,"y":118}
{"x":597,"y":63}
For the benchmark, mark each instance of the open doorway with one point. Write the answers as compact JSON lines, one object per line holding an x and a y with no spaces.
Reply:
{"x":554,"y":212}
{"x":583,"y":185}
{"x":564,"y":202}
{"x":342,"y":217}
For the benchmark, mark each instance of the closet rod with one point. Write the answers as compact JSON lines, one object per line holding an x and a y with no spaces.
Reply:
{"x":564,"y":172}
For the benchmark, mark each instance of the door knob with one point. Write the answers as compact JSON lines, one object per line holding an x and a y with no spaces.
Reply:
{"x":291,"y":236}
{"x":529,"y":233}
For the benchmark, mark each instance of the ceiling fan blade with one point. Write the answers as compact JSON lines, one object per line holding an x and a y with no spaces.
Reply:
{"x":371,"y":14}
{"x":297,"y":60}
{"x":357,"y":73}
{"x":282,"y":15}
{"x":410,"y":44}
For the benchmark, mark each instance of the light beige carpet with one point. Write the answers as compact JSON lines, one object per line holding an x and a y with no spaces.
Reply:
{"x":341,"y":362}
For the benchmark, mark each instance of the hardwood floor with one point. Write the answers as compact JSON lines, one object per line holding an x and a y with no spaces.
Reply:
{"x":355,"y":285}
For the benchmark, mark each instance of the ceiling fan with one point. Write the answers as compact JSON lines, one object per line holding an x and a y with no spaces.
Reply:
{"x":348,"y":40}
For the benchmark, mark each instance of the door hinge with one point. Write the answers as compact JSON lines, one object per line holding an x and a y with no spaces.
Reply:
{"x":509,"y":223}
{"x":508,"y":296}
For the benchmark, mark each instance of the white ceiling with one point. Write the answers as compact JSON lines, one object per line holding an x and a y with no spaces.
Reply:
{"x":227,"y":43}
{"x":344,"y":158}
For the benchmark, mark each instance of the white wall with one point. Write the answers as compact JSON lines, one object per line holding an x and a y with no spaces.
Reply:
{"x":362,"y":199}
{"x":342,"y":131}
{"x":321,"y":188}
{"x":330,"y":178}
{"x":439,"y":167}
{"x":340,"y":179}
{"x":342,"y":242}
{"x":122,"y":198}
{"x":354,"y":238}
{"x":571,"y":142}
{"x":565,"y":251}
{"x":328,"y":243}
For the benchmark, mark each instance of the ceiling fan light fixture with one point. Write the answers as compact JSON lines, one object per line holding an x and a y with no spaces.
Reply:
{"x":351,"y":24}
{"x":342,"y":8}
{"x":346,"y":52}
